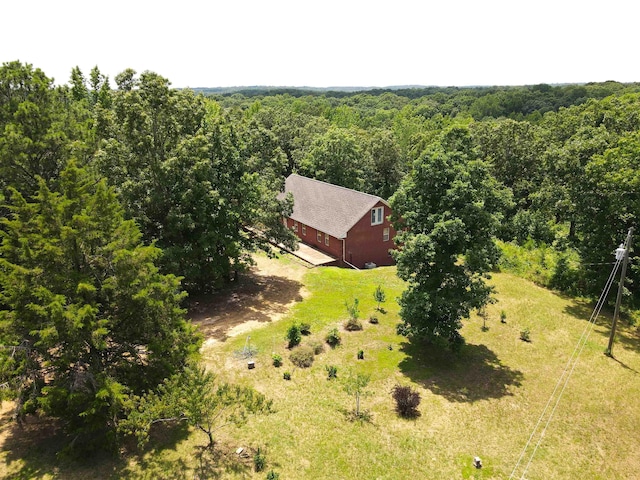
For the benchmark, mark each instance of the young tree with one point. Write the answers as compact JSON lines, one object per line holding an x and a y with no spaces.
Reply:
{"x":446,"y":212}
{"x":193,"y":396}
{"x":88,"y":315}
{"x":355,"y":384}
{"x":380,"y":297}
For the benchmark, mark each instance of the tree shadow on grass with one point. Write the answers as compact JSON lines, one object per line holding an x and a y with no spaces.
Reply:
{"x":626,"y":335}
{"x":475,"y":374}
{"x":33,"y":451}
{"x":253,"y":298}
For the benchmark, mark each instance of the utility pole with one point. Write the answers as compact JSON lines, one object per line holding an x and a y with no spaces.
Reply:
{"x":625,"y":253}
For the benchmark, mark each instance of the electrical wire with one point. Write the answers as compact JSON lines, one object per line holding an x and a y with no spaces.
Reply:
{"x":566,"y":372}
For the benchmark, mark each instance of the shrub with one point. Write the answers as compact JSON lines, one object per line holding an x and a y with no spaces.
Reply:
{"x":373,"y":319}
{"x":302,"y":357}
{"x":305,"y":329}
{"x":525,"y":335}
{"x":286,"y":376}
{"x":333,"y":338}
{"x":317,"y":347}
{"x":259,"y":461}
{"x":353,"y":324}
{"x":273,"y":475}
{"x":360,"y":354}
{"x":277,"y":360}
{"x":407,"y":401}
{"x":293,"y":335}
{"x":332,"y":371}
{"x":503,"y":316}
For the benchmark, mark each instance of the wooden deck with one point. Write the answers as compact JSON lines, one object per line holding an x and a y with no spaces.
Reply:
{"x":313,"y":256}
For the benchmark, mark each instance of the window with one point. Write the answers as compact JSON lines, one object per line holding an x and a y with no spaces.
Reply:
{"x":376,"y":215}
{"x":385,"y":235}
{"x":304,"y":230}
{"x":326,"y":239}
{"x":319,"y":236}
{"x":295,"y":226}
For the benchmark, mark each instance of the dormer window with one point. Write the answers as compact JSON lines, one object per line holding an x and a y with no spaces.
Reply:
{"x":377,"y":215}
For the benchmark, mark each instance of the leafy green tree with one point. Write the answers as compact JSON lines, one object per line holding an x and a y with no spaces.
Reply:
{"x":179,"y":169}
{"x":446,"y":212}
{"x":85,"y":317}
{"x":609,"y":206}
{"x":336,"y":157}
{"x":385,"y":165}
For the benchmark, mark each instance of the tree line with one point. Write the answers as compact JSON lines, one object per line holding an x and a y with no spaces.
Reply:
{"x":119,"y":198}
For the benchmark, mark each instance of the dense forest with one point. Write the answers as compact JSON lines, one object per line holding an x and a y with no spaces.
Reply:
{"x":117,"y":194}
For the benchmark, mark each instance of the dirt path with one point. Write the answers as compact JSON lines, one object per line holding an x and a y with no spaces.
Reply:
{"x":262,"y":295}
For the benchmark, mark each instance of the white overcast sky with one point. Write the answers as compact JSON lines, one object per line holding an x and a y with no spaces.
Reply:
{"x":330,"y":43}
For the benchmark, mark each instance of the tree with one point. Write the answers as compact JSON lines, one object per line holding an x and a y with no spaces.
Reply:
{"x":335,"y":157}
{"x":33,"y":143}
{"x":355,"y":384}
{"x":380,"y":297}
{"x":87,"y":316}
{"x":193,"y":396}
{"x":446,"y":212}
{"x":179,"y":169}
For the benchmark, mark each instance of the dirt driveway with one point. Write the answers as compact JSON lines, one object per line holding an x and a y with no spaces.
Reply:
{"x":263,"y":294}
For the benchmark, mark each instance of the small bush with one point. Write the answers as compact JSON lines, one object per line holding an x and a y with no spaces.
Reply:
{"x":353,"y":324}
{"x":302,"y":357}
{"x":333,"y":338}
{"x":273,"y":475}
{"x":407,"y":401}
{"x":360,"y":354}
{"x":293,"y":335}
{"x":305,"y":329}
{"x":525,"y":335}
{"x":286,"y":376}
{"x":503,"y":316}
{"x":317,"y":347}
{"x":373,"y":319}
{"x":259,"y":461}
{"x":332,"y":371}
{"x":277,"y":360}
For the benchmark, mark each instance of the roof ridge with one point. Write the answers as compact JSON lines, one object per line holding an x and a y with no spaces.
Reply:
{"x":339,"y":186}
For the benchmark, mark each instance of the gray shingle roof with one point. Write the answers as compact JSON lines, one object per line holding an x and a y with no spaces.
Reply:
{"x":326,"y":207}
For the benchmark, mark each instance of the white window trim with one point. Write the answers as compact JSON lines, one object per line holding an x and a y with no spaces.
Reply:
{"x":385,"y":234}
{"x":326,"y":239}
{"x":304,"y":230}
{"x":319,"y":236}
{"x":377,"y":216}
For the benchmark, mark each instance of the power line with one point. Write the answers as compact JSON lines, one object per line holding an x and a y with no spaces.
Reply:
{"x":566,"y":373}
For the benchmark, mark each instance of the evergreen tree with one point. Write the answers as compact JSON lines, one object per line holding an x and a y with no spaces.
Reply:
{"x":85,"y":317}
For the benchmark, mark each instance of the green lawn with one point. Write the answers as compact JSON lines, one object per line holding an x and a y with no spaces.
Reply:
{"x":484,"y":402}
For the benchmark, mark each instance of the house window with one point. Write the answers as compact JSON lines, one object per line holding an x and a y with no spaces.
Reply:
{"x":326,"y":239}
{"x":319,"y":236}
{"x":376,"y":215}
{"x":304,"y":230}
{"x":385,"y":235}
{"x":295,"y":226}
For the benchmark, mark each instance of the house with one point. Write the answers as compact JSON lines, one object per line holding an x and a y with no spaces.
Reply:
{"x":350,"y":226}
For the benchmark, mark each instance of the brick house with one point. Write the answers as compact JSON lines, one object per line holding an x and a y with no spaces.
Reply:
{"x":348,"y":225}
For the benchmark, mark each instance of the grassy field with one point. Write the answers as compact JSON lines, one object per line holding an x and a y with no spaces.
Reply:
{"x":484,"y":402}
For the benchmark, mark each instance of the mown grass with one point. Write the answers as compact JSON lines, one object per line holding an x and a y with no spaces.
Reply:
{"x":484,"y":402}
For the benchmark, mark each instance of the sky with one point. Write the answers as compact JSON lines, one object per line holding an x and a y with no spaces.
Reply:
{"x":329,"y":43}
